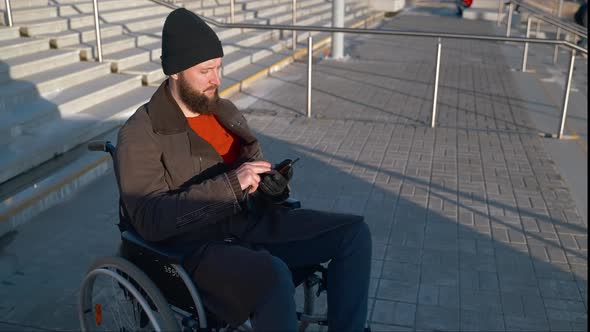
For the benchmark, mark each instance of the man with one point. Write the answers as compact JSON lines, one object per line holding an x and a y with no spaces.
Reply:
{"x":190,"y":170}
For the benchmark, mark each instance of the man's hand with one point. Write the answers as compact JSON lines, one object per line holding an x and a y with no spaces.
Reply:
{"x":248,"y":174}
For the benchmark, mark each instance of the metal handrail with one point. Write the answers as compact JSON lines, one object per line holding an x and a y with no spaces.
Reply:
{"x":558,"y":18}
{"x":97,"y":31}
{"x":540,"y":15}
{"x":8,"y":12}
{"x":388,"y":32}
{"x":424,"y":34}
{"x":573,"y":28}
{"x":294,"y":20}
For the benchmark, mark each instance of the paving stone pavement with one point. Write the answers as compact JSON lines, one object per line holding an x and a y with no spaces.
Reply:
{"x":474,"y":228}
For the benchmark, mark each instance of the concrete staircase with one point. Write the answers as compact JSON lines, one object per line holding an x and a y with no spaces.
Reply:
{"x":54,"y":97}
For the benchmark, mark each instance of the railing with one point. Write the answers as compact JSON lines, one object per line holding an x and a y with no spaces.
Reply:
{"x":439,"y":36}
{"x":575,"y":29}
{"x":8,"y":12}
{"x":97,"y":31}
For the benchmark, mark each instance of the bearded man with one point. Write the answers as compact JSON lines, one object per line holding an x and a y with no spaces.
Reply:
{"x":186,"y":161}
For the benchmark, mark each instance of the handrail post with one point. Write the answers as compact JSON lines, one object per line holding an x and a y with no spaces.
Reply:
{"x":500,"y":7}
{"x":509,"y":22}
{"x":556,"y":50}
{"x":232,"y":11}
{"x":538,"y":32}
{"x":436,"y":76}
{"x":8,"y":13}
{"x":309,"y":71}
{"x":97,"y":31}
{"x":294,"y":41}
{"x":526,"y":45}
{"x":566,"y":94}
{"x":337,"y":22}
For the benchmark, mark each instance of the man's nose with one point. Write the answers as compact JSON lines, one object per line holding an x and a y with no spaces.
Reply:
{"x":215,"y":78}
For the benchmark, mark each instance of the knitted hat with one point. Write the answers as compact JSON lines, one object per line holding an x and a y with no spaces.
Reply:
{"x":186,"y":41}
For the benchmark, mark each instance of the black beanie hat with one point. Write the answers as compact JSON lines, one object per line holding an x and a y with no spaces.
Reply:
{"x":186,"y":41}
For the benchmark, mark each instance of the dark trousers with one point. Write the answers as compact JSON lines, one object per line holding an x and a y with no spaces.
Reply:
{"x":347,"y":249}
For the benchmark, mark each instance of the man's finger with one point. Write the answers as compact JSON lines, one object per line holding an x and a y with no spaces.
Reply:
{"x":258,"y":168}
{"x":260,"y":163}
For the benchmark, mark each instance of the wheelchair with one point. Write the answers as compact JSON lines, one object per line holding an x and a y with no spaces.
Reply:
{"x":145,"y":287}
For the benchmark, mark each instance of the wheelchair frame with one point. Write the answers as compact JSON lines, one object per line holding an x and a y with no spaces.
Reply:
{"x":135,"y":245}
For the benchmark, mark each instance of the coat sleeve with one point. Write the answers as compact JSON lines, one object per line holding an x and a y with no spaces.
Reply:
{"x":156,"y":211}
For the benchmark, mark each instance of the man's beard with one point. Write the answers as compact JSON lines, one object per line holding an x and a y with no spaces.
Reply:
{"x":197,"y":102}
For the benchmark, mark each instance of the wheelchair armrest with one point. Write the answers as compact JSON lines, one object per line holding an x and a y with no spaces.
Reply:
{"x":166,"y":254}
{"x":290,"y":203}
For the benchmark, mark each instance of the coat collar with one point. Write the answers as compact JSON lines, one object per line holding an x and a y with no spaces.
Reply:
{"x":165,"y":114}
{"x":167,"y":117}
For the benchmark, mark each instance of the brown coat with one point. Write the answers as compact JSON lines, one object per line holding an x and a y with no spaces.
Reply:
{"x":177,"y":190}
{"x":174,"y":184}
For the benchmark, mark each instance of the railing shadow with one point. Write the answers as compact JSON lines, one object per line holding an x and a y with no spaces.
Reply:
{"x":445,"y":258}
{"x":23,"y":110}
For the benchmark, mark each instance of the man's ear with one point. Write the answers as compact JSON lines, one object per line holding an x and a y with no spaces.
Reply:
{"x":174,"y":77}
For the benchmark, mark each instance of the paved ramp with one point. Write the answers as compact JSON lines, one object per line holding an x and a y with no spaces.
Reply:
{"x":474,"y":226}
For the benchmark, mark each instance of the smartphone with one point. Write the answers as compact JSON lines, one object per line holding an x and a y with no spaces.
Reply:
{"x":284,"y":168}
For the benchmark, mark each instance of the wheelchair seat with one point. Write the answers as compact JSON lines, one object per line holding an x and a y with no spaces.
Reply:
{"x":139,"y":249}
{"x":165,"y":253}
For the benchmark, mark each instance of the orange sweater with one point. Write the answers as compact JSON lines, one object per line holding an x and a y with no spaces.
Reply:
{"x":224,"y":142}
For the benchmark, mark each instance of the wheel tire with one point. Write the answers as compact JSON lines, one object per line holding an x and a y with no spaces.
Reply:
{"x":147,"y":288}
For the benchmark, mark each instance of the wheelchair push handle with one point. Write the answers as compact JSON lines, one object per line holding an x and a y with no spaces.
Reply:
{"x":103,"y":146}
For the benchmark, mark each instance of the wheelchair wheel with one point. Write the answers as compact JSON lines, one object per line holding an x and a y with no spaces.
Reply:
{"x":310,"y":315}
{"x":118,"y":296}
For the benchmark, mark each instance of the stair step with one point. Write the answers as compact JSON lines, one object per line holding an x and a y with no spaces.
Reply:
{"x":96,"y":91}
{"x":120,"y":61}
{"x":23,"y":4}
{"x":155,"y":31}
{"x":11,"y":48}
{"x":103,"y":6}
{"x":241,"y":72}
{"x":28,"y":118}
{"x":81,"y":35}
{"x":17,"y":67}
{"x":144,"y":23}
{"x":28,"y":88}
{"x":9,"y":32}
{"x":71,"y":2}
{"x":248,"y":55}
{"x":61,"y":176}
{"x":56,"y":24}
{"x":151,"y":72}
{"x":253,"y":5}
{"x":62,"y":134}
{"x":126,"y":14}
{"x":114,"y":44}
{"x":23,"y":15}
{"x":248,"y":71}
{"x":250,"y":38}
